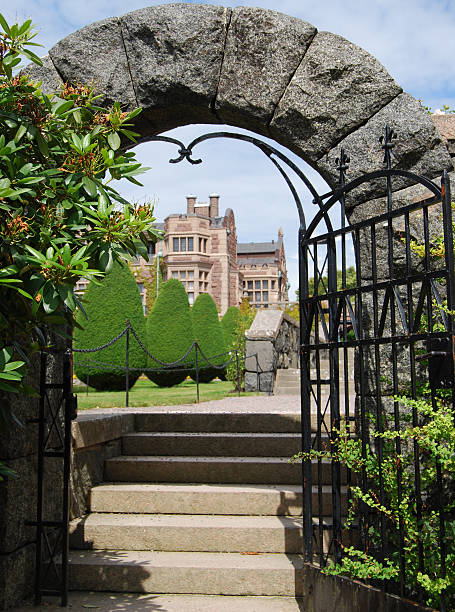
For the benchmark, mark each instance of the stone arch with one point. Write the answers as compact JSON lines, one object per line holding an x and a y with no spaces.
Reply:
{"x":276,"y":75}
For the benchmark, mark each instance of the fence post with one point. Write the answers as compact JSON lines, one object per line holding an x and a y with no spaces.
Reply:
{"x":127,"y":365}
{"x":238,"y":371}
{"x":258,"y":376}
{"x":88,"y":375}
{"x":197,"y":372}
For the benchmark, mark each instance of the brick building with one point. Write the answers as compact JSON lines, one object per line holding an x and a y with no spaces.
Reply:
{"x":200,"y":249}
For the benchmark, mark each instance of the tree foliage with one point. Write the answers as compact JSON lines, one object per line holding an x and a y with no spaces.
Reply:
{"x":209,"y":335}
{"x":61,"y":218}
{"x":107,"y":305}
{"x":169,"y":331}
{"x":246,"y":318}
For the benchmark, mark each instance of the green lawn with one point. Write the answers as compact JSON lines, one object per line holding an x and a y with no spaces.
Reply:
{"x":146,"y":393}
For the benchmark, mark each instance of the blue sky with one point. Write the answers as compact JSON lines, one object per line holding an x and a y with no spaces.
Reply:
{"x":414,"y":40}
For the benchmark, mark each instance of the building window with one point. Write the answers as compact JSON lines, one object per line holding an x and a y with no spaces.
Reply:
{"x":140,"y":286}
{"x":175,"y":242}
{"x":183,"y":274}
{"x":250,"y":295}
{"x":190,"y":285}
{"x":273,"y":285}
{"x":152,"y":248}
{"x":190,"y":244}
{"x":265,"y":284}
{"x":175,"y":274}
{"x":190,"y":273}
{"x":191,"y":297}
{"x":257,"y":296}
{"x":250,"y":284}
{"x":265,"y":296}
{"x":183,"y":244}
{"x":257,"y":284}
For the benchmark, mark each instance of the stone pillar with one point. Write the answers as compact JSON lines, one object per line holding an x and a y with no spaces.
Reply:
{"x":272,"y":342}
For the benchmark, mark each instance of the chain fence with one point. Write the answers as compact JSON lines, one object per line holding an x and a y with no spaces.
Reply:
{"x":199,"y":362}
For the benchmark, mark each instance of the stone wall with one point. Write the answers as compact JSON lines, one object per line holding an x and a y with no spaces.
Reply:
{"x":272,"y":342}
{"x":96,"y":437}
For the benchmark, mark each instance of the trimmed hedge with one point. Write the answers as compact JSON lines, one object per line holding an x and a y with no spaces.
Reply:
{"x":209,"y":335}
{"x":170,"y":333}
{"x":108,"y":304}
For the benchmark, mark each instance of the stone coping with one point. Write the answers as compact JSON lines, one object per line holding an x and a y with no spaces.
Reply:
{"x":267,"y":323}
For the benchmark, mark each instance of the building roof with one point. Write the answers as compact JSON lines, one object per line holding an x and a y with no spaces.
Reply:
{"x":257,"y":247}
{"x":158,"y":226}
{"x":257,"y":261}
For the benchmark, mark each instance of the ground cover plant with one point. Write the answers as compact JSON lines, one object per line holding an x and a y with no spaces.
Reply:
{"x":108,"y":304}
{"x":435,"y":444}
{"x":61,"y":218}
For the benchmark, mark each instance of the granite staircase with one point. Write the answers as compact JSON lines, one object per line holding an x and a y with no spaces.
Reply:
{"x":198,"y":503}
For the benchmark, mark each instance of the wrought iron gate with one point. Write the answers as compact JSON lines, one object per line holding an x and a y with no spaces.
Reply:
{"x":393,"y":326}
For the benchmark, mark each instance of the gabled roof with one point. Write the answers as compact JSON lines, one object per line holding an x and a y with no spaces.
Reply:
{"x":257,"y":247}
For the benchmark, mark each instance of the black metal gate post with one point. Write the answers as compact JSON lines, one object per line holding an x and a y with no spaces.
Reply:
{"x":56,"y":411}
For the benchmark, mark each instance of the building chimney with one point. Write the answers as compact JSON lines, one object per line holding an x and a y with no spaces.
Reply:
{"x":214,"y":210}
{"x":190,"y":202}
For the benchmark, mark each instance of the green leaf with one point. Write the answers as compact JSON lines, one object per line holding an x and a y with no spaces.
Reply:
{"x":90,"y":186}
{"x":20,"y":132}
{"x":62,"y":106}
{"x":42,"y":145}
{"x":32,"y":57}
{"x":50,"y":298}
{"x":106,"y":258}
{"x":25,"y":26}
{"x":4,"y":25}
{"x":114,"y":140}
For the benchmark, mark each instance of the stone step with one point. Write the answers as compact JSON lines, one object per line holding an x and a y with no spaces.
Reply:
{"x":187,"y":533}
{"x":229,"y":422}
{"x":286,"y":390}
{"x":210,"y":444}
{"x":251,"y":422}
{"x":242,"y":470}
{"x":222,"y":499}
{"x":206,"y":573}
{"x":80,"y":601}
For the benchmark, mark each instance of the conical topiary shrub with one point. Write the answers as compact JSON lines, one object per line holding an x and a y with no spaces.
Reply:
{"x":108,"y":304}
{"x":170,"y":333}
{"x":209,"y":336}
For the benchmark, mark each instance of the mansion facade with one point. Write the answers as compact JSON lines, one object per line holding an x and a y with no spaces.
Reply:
{"x":200,"y":249}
